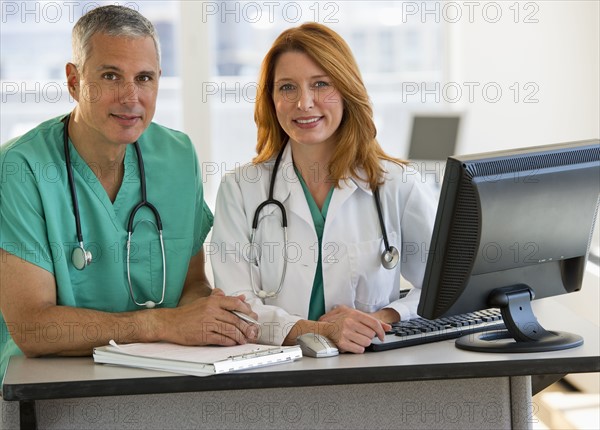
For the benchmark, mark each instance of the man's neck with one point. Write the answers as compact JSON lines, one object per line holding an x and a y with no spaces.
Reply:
{"x":104,"y":159}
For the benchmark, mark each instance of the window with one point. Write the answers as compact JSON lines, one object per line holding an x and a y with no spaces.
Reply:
{"x":390,"y":46}
{"x":35,"y":45}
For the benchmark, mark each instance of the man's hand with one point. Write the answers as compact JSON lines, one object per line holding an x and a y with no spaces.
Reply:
{"x":207,"y":321}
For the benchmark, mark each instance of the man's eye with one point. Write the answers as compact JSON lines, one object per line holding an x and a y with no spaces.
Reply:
{"x":109,"y":76}
{"x":144,"y":78}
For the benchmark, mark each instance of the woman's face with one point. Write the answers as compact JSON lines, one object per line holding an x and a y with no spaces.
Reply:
{"x":308,"y":107}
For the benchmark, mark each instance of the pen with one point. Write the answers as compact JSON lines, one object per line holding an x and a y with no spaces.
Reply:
{"x":245,"y":317}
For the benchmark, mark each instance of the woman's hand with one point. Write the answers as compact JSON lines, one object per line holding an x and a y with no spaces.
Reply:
{"x":387,"y":315}
{"x":352,"y":329}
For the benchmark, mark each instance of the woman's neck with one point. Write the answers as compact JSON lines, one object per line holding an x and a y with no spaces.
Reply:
{"x":313,"y":164}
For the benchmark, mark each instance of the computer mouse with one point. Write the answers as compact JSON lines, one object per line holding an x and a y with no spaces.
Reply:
{"x":315,"y":345}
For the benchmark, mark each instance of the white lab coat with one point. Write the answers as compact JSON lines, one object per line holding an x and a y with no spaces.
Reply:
{"x":351,"y":247}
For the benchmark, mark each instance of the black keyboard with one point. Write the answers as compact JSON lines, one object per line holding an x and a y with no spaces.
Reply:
{"x":420,"y":330}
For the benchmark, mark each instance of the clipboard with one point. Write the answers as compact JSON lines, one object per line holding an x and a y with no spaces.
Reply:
{"x":195,"y":360}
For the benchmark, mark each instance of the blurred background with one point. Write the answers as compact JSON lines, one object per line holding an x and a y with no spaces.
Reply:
{"x":461,"y":77}
{"x":515,"y":73}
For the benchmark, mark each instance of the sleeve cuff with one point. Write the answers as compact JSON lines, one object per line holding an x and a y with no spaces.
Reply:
{"x":407,"y":306}
{"x":274,"y":328}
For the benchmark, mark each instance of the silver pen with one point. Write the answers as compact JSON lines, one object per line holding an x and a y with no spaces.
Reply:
{"x":245,"y":317}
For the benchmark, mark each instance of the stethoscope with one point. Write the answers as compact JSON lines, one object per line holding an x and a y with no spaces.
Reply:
{"x":80,"y":257}
{"x":389,"y":257}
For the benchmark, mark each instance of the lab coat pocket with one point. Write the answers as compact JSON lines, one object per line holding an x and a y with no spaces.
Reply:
{"x":373,"y":284}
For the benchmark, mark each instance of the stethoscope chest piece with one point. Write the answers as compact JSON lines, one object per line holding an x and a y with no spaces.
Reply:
{"x":81,"y":258}
{"x":390,"y":257}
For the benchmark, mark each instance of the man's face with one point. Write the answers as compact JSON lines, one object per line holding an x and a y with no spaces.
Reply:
{"x":116,"y":89}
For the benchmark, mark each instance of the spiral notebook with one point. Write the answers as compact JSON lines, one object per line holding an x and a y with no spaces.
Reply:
{"x":195,"y":360}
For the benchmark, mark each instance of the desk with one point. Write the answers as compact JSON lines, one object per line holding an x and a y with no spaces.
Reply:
{"x":427,"y":386}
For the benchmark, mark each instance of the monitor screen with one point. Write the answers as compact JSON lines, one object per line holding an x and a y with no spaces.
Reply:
{"x":433,"y":137}
{"x":512,"y":226}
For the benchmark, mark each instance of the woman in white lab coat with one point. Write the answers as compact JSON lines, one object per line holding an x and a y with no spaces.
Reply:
{"x":313,"y":111}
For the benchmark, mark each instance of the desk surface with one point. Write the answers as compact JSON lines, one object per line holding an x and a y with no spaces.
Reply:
{"x":52,"y":378}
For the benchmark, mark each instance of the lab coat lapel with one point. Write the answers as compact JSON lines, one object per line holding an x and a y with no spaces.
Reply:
{"x":342,"y":194}
{"x":288,"y":187}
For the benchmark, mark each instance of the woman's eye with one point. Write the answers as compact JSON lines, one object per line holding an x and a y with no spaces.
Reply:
{"x":287,"y":87}
{"x":321,"y":84}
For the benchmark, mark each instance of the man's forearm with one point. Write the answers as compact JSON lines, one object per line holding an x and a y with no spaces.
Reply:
{"x":62,"y":330}
{"x":198,"y":290}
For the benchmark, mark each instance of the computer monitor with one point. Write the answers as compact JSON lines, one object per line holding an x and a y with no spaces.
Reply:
{"x":433,"y":136}
{"x":512,"y":226}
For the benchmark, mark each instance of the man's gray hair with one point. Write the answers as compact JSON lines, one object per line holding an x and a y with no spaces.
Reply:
{"x":112,"y":21}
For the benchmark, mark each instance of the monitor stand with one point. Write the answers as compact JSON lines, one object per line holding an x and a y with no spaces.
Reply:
{"x":523,"y":331}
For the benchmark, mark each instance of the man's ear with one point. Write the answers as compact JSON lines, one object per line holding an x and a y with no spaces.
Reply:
{"x":73,"y":80}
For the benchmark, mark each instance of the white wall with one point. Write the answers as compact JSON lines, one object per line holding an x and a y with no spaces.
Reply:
{"x":554,"y":62}
{"x":559,"y":54}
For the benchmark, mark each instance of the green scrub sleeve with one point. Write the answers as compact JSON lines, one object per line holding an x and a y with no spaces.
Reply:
{"x":204,"y":217}
{"x":22,"y":220}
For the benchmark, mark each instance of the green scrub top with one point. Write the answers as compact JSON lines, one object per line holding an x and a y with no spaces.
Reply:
{"x":317,"y":298}
{"x":37,"y":222}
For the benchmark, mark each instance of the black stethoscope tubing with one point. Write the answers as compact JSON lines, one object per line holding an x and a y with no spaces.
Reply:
{"x":144,"y":201}
{"x":271,"y":200}
{"x":71,"y":179}
{"x":389,"y":257}
{"x":80,"y":257}
{"x":141,"y":204}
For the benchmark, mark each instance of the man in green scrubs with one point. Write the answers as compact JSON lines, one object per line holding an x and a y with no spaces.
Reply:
{"x":51,"y":307}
